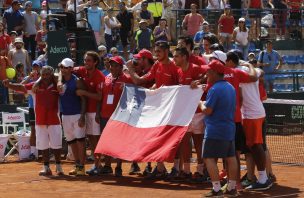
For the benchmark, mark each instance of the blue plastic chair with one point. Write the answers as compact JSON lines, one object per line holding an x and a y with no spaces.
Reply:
{"x":291,"y":60}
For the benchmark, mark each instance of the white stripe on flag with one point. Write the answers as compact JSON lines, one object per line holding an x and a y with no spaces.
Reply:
{"x":169,"y":105}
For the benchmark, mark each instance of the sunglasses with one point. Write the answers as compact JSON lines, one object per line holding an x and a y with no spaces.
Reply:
{"x":62,"y":67}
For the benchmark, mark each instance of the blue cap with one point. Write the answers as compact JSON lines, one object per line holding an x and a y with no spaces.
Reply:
{"x":109,"y":55}
{"x":37,"y":62}
{"x":28,"y":3}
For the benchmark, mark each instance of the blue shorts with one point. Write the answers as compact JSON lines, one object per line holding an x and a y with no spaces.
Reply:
{"x":218,"y":148}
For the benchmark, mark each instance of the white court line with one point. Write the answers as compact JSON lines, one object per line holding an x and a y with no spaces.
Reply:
{"x":286,"y":195}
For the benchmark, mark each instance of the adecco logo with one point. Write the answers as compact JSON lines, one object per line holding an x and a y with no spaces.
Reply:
{"x":13,"y":117}
{"x":58,"y":50}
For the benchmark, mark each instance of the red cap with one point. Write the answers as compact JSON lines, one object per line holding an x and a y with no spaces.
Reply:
{"x":144,"y":53}
{"x":118,"y":60}
{"x":217,"y":66}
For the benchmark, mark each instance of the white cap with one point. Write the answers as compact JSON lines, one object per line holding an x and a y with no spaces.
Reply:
{"x":219,"y":55}
{"x":101,"y":47}
{"x":67,"y":62}
{"x":18,"y":40}
{"x":242,"y":19}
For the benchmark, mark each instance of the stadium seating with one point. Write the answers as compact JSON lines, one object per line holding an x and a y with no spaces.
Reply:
{"x":291,"y":60}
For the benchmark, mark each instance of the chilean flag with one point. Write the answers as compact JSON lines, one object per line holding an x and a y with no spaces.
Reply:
{"x":148,"y":125}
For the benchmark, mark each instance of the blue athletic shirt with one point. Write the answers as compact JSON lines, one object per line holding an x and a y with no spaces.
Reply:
{"x":220,"y":124}
{"x":94,"y":17}
{"x":69,"y":101}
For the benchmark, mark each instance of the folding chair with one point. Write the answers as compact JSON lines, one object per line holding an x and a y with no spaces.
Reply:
{"x":9,"y":119}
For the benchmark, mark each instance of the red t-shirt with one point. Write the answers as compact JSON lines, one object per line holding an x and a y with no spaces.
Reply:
{"x":194,"y":72}
{"x":163,"y":74}
{"x":234,"y":77}
{"x":112,"y":88}
{"x":93,"y":84}
{"x":295,"y":7}
{"x":255,"y":4}
{"x":41,"y":37}
{"x":197,"y":60}
{"x":5,"y":40}
{"x":46,"y":101}
{"x":227,"y":24}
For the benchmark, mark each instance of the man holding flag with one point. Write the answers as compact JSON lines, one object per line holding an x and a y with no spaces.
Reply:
{"x":164,"y":73}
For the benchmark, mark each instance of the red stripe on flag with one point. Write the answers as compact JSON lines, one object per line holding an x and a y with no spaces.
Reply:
{"x":124,"y":141}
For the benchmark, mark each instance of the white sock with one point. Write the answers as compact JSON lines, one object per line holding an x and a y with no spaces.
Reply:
{"x":187,"y":168}
{"x":160,"y":166}
{"x":231,"y":185}
{"x":176,"y":164}
{"x":33,"y":149}
{"x":200,"y":169}
{"x":216,"y":186}
{"x":262,"y":177}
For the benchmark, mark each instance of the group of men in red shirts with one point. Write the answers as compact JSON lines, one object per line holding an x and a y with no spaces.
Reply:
{"x":101,"y":95}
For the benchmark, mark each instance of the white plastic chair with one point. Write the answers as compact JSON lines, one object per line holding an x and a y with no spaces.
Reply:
{"x":9,"y":120}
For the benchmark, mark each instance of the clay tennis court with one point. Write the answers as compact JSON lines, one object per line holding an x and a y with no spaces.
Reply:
{"x":20,"y":179}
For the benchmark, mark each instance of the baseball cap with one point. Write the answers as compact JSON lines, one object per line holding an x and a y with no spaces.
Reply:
{"x":13,"y":32}
{"x":101,"y":47}
{"x":118,"y":60}
{"x":219,"y":55}
{"x":16,"y":2}
{"x":217,"y":66}
{"x":242,"y":19}
{"x":67,"y":62}
{"x":18,"y":40}
{"x":205,"y":23}
{"x":143,"y":21}
{"x":37,"y":62}
{"x":144,"y":53}
{"x":43,"y":3}
{"x":28,"y":3}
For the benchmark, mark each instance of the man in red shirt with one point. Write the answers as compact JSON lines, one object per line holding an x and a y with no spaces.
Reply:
{"x":111,"y":92}
{"x":48,"y":128}
{"x":189,"y":72}
{"x":164,"y":73}
{"x":142,"y":63}
{"x":187,"y":42}
{"x":93,"y":80}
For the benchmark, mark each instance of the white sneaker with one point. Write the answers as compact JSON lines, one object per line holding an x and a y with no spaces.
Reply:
{"x":46,"y":171}
{"x":59,"y":170}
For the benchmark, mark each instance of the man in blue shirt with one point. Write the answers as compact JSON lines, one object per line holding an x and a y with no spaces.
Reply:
{"x":271,"y":61}
{"x":95,"y":18}
{"x":13,"y":18}
{"x":200,"y":34}
{"x":219,"y":136}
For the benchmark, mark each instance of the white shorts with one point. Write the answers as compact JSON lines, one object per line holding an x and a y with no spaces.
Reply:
{"x":70,"y":127}
{"x":92,"y":127}
{"x":196,"y":126}
{"x":48,"y":136}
